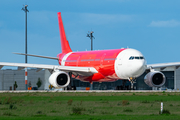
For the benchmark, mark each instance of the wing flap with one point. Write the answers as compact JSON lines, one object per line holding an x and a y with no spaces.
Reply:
{"x":1,"y":66}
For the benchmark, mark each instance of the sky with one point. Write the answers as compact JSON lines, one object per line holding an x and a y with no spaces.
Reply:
{"x":150,"y":26}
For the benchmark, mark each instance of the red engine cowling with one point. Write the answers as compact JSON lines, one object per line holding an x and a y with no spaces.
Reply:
{"x":155,"y":79}
{"x":59,"y":79}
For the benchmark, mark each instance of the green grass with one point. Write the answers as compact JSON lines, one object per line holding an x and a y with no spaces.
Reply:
{"x":89,"y":106}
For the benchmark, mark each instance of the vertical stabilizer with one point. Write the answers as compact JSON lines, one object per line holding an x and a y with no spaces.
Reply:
{"x":64,"y":43}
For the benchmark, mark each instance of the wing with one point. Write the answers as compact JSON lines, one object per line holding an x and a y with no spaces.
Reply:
{"x":84,"y":71}
{"x":162,"y":66}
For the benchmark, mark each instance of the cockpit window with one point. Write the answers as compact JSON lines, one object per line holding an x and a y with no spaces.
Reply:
{"x":131,"y":58}
{"x":141,"y":57}
{"x":136,"y":57}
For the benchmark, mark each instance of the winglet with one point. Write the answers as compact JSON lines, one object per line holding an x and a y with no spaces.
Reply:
{"x":64,"y":43}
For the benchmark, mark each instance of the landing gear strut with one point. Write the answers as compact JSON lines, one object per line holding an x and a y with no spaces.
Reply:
{"x":132,"y":81}
{"x":70,"y":86}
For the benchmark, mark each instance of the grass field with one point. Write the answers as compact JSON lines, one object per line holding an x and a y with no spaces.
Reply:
{"x":89,"y":106}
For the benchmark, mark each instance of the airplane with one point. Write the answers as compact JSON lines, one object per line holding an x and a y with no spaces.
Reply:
{"x":97,"y":65}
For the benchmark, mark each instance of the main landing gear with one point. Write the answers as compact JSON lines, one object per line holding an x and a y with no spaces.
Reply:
{"x":70,"y":86}
{"x":132,"y":81}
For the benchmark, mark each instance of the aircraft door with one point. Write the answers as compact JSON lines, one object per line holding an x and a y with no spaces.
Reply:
{"x":102,"y":59}
{"x":120,"y":58}
{"x":119,"y":64}
{"x":78,"y":61}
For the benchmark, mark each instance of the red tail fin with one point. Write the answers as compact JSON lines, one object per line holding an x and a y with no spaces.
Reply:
{"x":64,"y":43}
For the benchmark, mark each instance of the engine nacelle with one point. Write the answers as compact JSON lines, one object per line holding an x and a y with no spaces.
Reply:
{"x":155,"y":79}
{"x":59,"y":79}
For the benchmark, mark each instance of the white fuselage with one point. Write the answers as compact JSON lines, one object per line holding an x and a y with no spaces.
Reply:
{"x":130,"y":63}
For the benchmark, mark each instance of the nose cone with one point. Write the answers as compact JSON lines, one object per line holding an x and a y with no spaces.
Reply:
{"x":138,"y":68}
{"x":130,"y":63}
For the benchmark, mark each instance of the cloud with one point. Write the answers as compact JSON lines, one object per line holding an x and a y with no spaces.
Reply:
{"x":100,"y":19}
{"x":170,"y":23}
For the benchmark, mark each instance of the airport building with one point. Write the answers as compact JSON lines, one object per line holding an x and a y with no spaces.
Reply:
{"x":9,"y":76}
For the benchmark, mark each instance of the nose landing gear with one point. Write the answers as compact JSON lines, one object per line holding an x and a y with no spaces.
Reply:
{"x":132,"y":81}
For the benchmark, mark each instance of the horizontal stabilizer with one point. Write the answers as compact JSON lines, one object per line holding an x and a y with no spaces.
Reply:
{"x":37,"y":56}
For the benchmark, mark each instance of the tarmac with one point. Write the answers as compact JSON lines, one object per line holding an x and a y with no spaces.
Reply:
{"x":95,"y":91}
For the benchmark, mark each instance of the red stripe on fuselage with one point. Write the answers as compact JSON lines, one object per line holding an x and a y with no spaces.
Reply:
{"x":102,"y":60}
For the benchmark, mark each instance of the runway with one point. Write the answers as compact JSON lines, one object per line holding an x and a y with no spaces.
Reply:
{"x":89,"y":91}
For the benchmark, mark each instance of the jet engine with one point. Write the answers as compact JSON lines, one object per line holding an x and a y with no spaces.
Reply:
{"x":155,"y":79}
{"x":59,"y":79}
